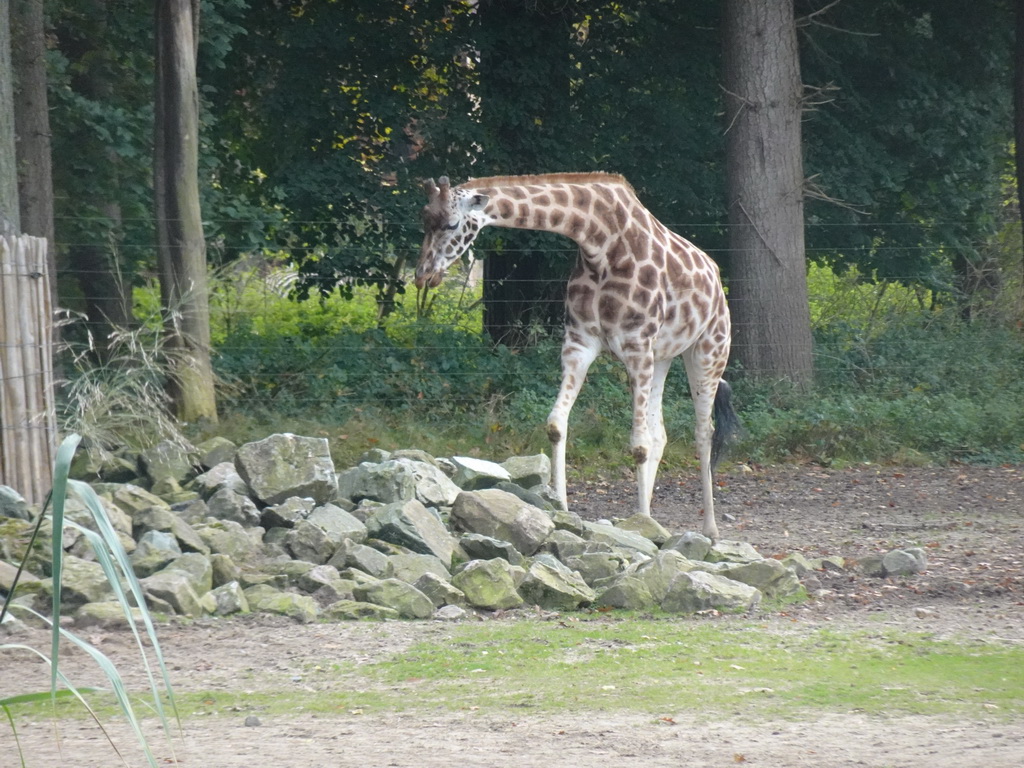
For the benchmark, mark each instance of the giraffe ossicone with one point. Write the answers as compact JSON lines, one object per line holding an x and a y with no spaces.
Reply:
{"x":638,"y":291}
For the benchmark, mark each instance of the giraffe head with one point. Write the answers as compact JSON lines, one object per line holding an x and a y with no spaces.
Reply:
{"x":452,"y":218}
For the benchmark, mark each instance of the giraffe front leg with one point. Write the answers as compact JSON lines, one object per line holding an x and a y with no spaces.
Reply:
{"x":656,"y":426}
{"x":641,"y":379}
{"x":576,"y":359}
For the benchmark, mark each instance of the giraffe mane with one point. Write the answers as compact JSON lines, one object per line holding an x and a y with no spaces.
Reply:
{"x":548,"y":178}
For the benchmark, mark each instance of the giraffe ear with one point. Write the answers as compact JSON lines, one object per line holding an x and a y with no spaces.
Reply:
{"x":430,"y":188}
{"x":477,"y":202}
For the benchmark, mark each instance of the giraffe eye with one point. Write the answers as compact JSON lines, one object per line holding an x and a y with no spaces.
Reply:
{"x":451,"y":227}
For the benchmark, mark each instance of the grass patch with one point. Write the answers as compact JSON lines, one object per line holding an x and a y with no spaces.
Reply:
{"x":650,"y":666}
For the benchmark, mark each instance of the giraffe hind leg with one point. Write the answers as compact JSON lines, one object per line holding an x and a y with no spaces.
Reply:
{"x":703,"y":388}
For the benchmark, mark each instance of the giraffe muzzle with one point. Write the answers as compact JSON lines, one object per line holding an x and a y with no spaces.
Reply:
{"x":430,"y":280}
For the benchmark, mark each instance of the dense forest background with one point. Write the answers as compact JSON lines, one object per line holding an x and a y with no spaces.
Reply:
{"x":318,"y":119}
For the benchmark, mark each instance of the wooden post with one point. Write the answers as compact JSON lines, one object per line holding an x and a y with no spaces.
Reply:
{"x":28,"y":421}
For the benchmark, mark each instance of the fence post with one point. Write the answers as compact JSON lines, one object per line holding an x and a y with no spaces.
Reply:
{"x":28,"y":421}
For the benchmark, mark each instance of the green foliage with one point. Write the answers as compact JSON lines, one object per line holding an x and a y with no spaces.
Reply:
{"x":110,"y":554}
{"x":911,"y":134}
{"x":117,"y":401}
{"x":928,"y":386}
{"x":897,"y":380}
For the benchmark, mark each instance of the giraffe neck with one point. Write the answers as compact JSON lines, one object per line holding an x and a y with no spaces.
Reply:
{"x":592,"y":209}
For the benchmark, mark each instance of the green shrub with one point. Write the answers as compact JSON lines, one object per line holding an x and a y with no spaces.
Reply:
{"x":897,"y":378}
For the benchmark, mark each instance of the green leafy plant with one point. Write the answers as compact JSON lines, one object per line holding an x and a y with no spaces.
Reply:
{"x":111,"y":556}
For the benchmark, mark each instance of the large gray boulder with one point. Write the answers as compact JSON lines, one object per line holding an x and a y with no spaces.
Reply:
{"x":480,"y":547}
{"x":692,"y":545}
{"x":700,"y":591}
{"x":226,"y":504}
{"x":410,"y":567}
{"x":230,"y":538}
{"x":646,"y":526}
{"x":354,"y":610}
{"x":619,"y":538}
{"x":169,"y":460}
{"x":105,"y":615}
{"x":308,"y":541}
{"x":171,"y":589}
{"x":476,"y":474}
{"x":433,"y":487}
{"x":528,"y":471}
{"x":554,"y":588}
{"x":216,"y":450}
{"x":726,"y":551}
{"x":488,"y":584}
{"x":412,"y":525}
{"x":198,"y":568}
{"x":285,"y":465}
{"x":439,"y":590}
{"x":154,"y":550}
{"x":661,"y":571}
{"x":83,"y":581}
{"x":565,"y":544}
{"x":337,"y":523}
{"x":266,"y":599}
{"x":287,"y":513}
{"x":167,"y":521}
{"x":770,"y":576}
{"x":398,"y":595}
{"x":629,"y":593}
{"x":129,"y":498}
{"x":386,"y":482}
{"x":596,"y":567}
{"x":504,"y":516}
{"x":350,"y":554}
{"x":222,"y":475}
{"x":225,"y":600}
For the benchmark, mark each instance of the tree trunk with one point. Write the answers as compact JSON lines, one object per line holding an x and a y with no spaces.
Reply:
{"x":32,"y":124}
{"x":9,"y":216}
{"x":181,"y":247}
{"x":1018,"y":120}
{"x":768,"y":275}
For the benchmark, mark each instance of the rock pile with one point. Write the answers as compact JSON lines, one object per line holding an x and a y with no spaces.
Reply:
{"x":272,"y":526}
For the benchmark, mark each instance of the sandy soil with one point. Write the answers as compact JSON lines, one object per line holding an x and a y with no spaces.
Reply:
{"x":970,"y":520}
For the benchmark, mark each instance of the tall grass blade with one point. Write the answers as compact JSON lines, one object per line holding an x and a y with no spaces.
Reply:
{"x":113,"y":559}
{"x":58,"y":495}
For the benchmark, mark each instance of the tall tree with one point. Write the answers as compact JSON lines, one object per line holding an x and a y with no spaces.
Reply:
{"x":181,"y":246}
{"x":765,"y":180}
{"x":9,"y":215}
{"x":1018,"y":115}
{"x":32,"y":123}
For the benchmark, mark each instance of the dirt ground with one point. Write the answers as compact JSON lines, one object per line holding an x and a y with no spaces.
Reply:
{"x":970,"y":520}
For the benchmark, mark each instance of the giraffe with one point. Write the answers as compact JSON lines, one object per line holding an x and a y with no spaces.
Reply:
{"x":638,"y":290}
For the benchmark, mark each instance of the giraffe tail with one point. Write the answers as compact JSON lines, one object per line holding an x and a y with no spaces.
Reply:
{"x":727,"y":423}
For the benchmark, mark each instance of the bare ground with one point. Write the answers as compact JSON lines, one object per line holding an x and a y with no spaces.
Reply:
{"x":970,"y":520}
